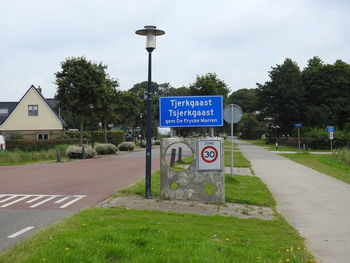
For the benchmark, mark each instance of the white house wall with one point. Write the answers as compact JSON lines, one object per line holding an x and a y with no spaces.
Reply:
{"x":19,"y":119}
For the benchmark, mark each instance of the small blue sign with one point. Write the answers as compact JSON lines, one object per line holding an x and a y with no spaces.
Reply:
{"x":330,"y":128}
{"x":298,"y":125}
{"x":191,"y":111}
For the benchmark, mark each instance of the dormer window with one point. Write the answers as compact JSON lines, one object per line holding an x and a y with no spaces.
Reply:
{"x":4,"y":111}
{"x":33,"y":110}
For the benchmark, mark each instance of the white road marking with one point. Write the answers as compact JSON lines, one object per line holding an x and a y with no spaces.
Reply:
{"x":64,"y":200}
{"x":6,"y":199}
{"x":78,"y":197}
{"x":21,"y":232}
{"x":16,"y":201}
{"x":44,"y":201}
{"x":36,"y":198}
{"x":61,"y":200}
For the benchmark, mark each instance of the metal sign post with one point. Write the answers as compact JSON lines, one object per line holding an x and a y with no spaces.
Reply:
{"x":232,"y":114}
{"x":298,"y":125}
{"x":330,"y":130}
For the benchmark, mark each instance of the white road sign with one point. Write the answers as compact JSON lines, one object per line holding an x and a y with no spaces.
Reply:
{"x":331,"y":135}
{"x":209,"y":154}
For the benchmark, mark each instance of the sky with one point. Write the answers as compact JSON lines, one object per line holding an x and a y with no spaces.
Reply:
{"x":239,"y":40}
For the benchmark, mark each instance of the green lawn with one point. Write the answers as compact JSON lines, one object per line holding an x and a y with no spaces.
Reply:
{"x":17,"y":157}
{"x":324,"y":163}
{"x":238,"y":160}
{"x":272,"y":147}
{"x":98,"y":235}
{"x":229,"y":143}
{"x":240,"y":189}
{"x":121,"y":235}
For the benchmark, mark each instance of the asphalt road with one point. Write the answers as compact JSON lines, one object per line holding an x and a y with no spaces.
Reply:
{"x":37,"y":195}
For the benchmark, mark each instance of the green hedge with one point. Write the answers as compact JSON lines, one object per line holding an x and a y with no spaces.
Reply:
{"x":114,"y":137}
{"x":316,"y":139}
{"x":252,"y":134}
{"x":29,"y":146}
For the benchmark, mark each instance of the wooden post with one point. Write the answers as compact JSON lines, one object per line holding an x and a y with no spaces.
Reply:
{"x":180,"y":154}
{"x":173,"y":156}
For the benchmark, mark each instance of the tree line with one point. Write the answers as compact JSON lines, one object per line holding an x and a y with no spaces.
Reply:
{"x":88,"y":96}
{"x":316,"y":96}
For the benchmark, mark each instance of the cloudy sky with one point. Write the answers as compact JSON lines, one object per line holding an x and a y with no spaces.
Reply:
{"x":239,"y":40}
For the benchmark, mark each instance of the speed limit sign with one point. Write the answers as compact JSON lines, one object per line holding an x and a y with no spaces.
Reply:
{"x":209,"y":154}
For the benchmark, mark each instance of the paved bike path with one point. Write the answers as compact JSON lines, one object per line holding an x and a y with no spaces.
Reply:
{"x":315,"y":204}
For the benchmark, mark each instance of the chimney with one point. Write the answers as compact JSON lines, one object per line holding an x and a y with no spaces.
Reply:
{"x":39,"y":89}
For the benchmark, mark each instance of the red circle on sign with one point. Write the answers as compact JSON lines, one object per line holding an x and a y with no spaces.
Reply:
{"x":215,"y":157}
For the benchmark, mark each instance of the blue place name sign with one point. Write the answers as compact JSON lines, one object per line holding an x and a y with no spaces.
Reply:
{"x":191,"y":111}
{"x":330,"y":128}
{"x":298,"y":125}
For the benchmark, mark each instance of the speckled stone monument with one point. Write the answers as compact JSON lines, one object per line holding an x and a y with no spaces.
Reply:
{"x":190,"y":183}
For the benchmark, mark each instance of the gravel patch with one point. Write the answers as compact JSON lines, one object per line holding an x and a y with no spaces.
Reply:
{"x":191,"y":207}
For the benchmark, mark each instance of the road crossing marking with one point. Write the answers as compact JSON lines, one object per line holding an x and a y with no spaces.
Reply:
{"x":44,"y":201}
{"x":16,"y":201}
{"x":6,"y":200}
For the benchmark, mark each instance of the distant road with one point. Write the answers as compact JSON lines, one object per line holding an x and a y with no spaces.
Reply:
{"x":36,"y":195}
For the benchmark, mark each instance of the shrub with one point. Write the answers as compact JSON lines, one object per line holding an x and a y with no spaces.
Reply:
{"x":76,"y":152}
{"x":115,"y":137}
{"x":343,"y":156}
{"x":318,"y":139}
{"x":106,"y":148}
{"x":29,"y":146}
{"x":126,"y":146}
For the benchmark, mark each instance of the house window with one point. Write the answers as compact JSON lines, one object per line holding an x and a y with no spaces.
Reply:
{"x":4,"y":112}
{"x":43,"y":136}
{"x":32,"y":110}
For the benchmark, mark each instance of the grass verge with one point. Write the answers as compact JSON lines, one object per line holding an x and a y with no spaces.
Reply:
{"x":239,"y":189}
{"x":122,"y":235}
{"x":17,"y":157}
{"x":324,"y":163}
{"x":228,"y":143}
{"x":272,"y":147}
{"x":239,"y":160}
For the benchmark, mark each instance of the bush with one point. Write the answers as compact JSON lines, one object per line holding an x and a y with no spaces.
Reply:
{"x":76,"y":152}
{"x":115,"y":137}
{"x":318,"y":139}
{"x":30,"y":146}
{"x":126,"y":146}
{"x":106,"y":148}
{"x":343,"y":156}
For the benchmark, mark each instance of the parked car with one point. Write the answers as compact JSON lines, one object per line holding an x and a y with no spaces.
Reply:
{"x":2,"y":143}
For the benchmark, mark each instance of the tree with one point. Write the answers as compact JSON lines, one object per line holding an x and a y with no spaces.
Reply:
{"x":245,"y":98}
{"x":129,"y":108}
{"x":247,"y":125}
{"x":106,"y":106}
{"x":209,"y":84}
{"x":282,"y":98}
{"x":327,"y":93}
{"x":80,"y":84}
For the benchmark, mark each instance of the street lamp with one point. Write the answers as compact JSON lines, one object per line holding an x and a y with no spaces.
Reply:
{"x":150,"y":32}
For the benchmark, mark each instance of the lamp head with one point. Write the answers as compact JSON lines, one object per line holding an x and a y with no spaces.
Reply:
{"x":150,"y":32}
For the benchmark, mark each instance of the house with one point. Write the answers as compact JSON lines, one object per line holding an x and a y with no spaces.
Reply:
{"x":33,"y":117}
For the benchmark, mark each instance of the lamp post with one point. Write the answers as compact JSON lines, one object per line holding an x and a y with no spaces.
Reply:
{"x":150,"y":32}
